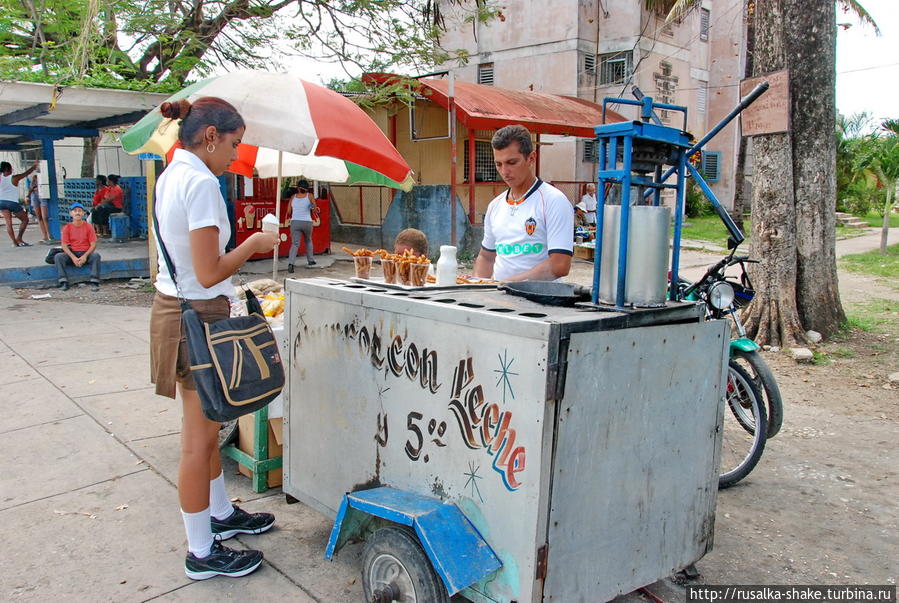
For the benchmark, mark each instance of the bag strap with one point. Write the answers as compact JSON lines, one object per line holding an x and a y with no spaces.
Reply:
{"x":168,"y":260}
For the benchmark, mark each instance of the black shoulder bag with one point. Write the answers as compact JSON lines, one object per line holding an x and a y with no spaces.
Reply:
{"x":235,"y":362}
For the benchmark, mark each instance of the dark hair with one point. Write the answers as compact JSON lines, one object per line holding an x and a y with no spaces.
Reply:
{"x":113,"y":178}
{"x":101,"y":179}
{"x":516,"y":133}
{"x":303,"y":183}
{"x":203,"y":112}
{"x":5,"y":166}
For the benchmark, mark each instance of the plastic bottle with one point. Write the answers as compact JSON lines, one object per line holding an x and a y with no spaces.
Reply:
{"x":446,"y":266}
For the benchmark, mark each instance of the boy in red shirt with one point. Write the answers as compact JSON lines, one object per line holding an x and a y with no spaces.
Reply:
{"x":78,"y":244}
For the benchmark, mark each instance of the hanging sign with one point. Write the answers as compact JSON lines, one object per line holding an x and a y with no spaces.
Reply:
{"x":770,"y":113}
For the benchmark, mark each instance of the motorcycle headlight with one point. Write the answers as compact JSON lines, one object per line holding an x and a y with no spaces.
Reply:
{"x":721,"y":295}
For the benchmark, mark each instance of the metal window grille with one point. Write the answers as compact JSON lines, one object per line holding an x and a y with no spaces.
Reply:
{"x":484,"y":167}
{"x":589,"y":155}
{"x":615,"y":68}
{"x":711,"y":165}
{"x":704,"y":15}
{"x":590,"y":64}
{"x":485,"y":74}
{"x":702,"y":96}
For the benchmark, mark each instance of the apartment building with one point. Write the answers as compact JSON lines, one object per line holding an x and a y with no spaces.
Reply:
{"x":595,"y":49}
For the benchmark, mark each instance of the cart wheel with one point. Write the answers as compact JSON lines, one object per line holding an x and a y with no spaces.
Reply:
{"x":395,"y":568}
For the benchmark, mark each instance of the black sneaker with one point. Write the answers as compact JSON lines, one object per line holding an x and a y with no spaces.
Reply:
{"x":222,"y":561}
{"x":64,"y":286}
{"x":241,"y":522}
{"x":290,"y":268}
{"x":311,"y":263}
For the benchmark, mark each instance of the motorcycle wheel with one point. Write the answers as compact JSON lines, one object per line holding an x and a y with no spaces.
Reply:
{"x":757,"y":368}
{"x":744,"y":427}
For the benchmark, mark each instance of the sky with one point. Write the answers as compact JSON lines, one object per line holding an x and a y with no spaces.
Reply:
{"x":867,"y":64}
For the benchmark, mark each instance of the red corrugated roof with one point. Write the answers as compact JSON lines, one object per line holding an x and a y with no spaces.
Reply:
{"x":488,"y":108}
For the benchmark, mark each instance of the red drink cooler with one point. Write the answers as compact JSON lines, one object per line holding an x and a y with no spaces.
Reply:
{"x":248,"y":214}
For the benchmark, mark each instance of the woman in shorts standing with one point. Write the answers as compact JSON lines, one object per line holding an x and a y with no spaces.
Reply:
{"x":193,"y":224}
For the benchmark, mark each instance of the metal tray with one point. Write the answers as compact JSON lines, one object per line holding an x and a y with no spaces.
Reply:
{"x":379,"y":282}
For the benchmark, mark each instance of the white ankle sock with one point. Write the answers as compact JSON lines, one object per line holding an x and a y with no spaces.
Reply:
{"x":219,"y":505}
{"x":199,"y":532}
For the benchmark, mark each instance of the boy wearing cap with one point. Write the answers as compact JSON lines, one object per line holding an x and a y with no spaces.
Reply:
{"x":78,"y":244}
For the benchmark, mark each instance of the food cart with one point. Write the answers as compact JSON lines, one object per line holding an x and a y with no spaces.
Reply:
{"x":531,"y":452}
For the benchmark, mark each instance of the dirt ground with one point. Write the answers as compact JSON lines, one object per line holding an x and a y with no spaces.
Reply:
{"x":821,"y":506}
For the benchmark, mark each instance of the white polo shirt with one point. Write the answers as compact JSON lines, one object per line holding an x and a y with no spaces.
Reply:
{"x":188,"y":198}
{"x":524,"y":235}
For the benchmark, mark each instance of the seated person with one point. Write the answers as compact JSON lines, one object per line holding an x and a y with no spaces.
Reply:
{"x":580,"y":215}
{"x":78,"y":244}
{"x":111,"y":201}
{"x":412,"y":239}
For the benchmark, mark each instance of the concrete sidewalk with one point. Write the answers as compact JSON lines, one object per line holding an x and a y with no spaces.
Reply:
{"x":89,"y":470}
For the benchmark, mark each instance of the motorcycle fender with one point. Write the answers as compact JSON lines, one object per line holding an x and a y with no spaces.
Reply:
{"x":744,"y":344}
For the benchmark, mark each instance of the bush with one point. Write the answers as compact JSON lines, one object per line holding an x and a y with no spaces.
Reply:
{"x":695,"y":203}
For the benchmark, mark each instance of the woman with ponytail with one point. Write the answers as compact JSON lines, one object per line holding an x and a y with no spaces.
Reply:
{"x":193,"y":224}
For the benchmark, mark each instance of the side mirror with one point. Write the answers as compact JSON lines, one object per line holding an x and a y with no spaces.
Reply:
{"x":732,"y":243}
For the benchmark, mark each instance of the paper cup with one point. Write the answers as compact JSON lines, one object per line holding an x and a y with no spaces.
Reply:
{"x":389,"y":269}
{"x":363,"y":266}
{"x":418,"y":274}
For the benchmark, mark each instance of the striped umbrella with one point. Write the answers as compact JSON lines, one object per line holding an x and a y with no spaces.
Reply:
{"x":309,"y":130}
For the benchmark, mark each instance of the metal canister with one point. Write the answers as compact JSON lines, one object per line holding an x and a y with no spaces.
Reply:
{"x":647,"y":255}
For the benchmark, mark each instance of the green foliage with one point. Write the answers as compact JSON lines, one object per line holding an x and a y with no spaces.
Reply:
{"x":820,"y":358}
{"x":160,"y":44}
{"x":695,"y":203}
{"x":710,"y":228}
{"x":867,"y":164}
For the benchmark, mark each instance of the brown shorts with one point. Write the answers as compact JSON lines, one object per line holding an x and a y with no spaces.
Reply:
{"x":169,"y":360}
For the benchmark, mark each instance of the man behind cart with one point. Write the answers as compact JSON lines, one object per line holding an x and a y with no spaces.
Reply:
{"x":528,"y":229}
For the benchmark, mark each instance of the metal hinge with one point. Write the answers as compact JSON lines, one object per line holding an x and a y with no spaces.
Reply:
{"x":556,"y":373}
{"x":542,"y":553}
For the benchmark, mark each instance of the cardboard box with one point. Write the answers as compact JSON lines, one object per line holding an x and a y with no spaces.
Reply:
{"x":582,"y":252}
{"x":246,"y":440}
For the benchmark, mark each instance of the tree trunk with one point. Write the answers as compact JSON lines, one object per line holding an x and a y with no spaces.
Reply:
{"x":773,"y":317}
{"x":887,"y":210}
{"x":89,"y":156}
{"x":810,"y":52}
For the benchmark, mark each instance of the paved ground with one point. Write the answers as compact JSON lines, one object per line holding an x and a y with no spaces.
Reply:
{"x":88,"y":463}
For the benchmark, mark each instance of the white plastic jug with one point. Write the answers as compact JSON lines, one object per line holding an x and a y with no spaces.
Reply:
{"x":447,"y":268}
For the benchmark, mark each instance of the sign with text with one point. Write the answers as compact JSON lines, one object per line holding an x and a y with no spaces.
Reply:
{"x":770,"y":113}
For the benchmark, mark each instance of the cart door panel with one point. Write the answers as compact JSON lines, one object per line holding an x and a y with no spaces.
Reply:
{"x":636,"y":466}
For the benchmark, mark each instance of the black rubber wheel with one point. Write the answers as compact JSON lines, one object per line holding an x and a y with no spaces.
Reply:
{"x":764,"y":381}
{"x":396,"y":568}
{"x":744,"y":427}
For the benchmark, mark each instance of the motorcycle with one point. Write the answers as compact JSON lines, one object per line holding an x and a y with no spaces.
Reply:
{"x":752,"y":398}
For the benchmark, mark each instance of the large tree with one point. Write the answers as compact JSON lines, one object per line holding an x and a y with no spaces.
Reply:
{"x":167,"y":41}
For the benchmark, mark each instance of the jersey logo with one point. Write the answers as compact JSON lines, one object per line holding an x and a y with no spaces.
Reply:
{"x":530,"y":226}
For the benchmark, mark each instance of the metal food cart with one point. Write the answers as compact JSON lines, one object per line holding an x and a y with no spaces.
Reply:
{"x":533,"y":452}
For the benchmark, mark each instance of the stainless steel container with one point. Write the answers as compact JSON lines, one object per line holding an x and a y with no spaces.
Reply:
{"x":647,"y":255}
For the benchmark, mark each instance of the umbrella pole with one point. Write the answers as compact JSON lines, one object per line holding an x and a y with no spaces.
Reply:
{"x":278,"y":216}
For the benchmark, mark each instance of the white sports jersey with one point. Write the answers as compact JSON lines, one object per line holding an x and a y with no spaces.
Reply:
{"x":524,"y":235}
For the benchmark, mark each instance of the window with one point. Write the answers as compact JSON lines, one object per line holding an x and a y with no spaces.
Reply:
{"x":485,"y":74}
{"x":702,"y":96}
{"x":615,"y":68}
{"x":590,"y":64}
{"x":589,"y":155}
{"x":711,"y":165}
{"x":704,"y":24}
{"x":484,"y":168}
